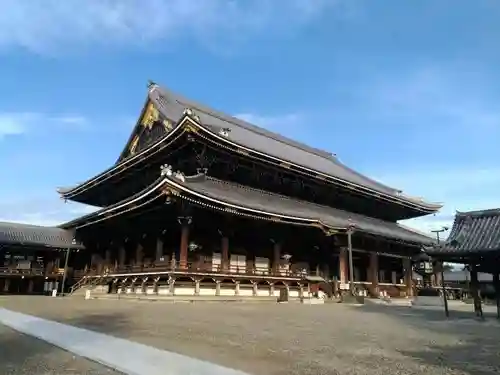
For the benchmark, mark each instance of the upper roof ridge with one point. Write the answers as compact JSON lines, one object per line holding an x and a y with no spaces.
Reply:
{"x":480,"y":213}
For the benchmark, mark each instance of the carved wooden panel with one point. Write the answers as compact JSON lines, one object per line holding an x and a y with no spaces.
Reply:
{"x":153,"y":126}
{"x":150,"y":135}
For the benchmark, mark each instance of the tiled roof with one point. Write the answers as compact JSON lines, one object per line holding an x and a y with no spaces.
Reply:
{"x":473,"y":232}
{"x":32,"y":235}
{"x":173,"y":106}
{"x":257,"y":202}
{"x":461,"y":275}
{"x":257,"y":199}
{"x":263,"y":140}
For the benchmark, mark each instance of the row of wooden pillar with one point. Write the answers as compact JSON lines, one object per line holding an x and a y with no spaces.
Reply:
{"x":373,"y":270}
{"x":184,"y":249}
{"x":7,"y":285}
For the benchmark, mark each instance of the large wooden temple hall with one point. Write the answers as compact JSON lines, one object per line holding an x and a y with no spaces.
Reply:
{"x":200,"y":203}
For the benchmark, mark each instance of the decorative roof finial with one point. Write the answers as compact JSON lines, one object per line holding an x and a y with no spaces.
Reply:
{"x":189,"y":112}
{"x":166,"y":170}
{"x":225,"y":132}
{"x":151,"y":84}
{"x":180,"y":176}
{"x":202,"y":171}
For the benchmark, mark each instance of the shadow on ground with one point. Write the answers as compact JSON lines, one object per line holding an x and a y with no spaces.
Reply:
{"x":473,"y":335}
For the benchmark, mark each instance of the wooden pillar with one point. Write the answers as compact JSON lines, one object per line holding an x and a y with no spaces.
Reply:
{"x":373,"y":273}
{"x":408,"y":276}
{"x":225,"y":253}
{"x":107,"y":257}
{"x":343,"y":266}
{"x":438,"y":281}
{"x":122,"y":256}
{"x":30,"y":286}
{"x":138,"y":254}
{"x":394,"y":277}
{"x":276,"y":257}
{"x":474,"y":286}
{"x":159,"y":249}
{"x":381,"y":276}
{"x":496,"y":283}
{"x":183,"y":251}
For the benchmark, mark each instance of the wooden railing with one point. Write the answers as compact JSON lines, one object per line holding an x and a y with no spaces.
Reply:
{"x":196,"y":267}
{"x":22,"y":272}
{"x":31,"y":271}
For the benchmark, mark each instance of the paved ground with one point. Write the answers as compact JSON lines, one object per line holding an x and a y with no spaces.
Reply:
{"x":272,"y":339}
{"x":20,"y":354}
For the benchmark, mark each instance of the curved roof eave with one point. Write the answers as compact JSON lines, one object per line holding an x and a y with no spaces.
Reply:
{"x":37,"y":236}
{"x":230,"y":196}
{"x":472,"y":233}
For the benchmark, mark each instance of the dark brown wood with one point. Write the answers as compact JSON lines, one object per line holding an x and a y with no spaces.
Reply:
{"x":496,"y":284}
{"x":373,"y":273}
{"x":225,"y":253}
{"x":474,"y":286}
{"x":183,"y":253}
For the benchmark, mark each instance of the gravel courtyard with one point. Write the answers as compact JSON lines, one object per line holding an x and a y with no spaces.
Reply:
{"x":279,"y":339}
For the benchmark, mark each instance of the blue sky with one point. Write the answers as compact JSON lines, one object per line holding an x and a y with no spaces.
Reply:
{"x":404,"y":91}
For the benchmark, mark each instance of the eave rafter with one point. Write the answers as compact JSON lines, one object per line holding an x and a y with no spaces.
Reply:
{"x":191,"y":123}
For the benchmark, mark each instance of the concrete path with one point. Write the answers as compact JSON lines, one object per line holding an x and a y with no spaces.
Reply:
{"x":123,"y":355}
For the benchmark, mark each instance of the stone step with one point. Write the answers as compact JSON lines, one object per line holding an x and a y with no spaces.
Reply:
{"x":188,"y":298}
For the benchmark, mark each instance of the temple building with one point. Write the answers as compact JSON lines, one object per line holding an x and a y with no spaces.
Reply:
{"x":474,"y":241}
{"x":201,"y":203}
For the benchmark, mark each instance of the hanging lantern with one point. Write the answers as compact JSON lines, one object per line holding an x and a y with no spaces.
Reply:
{"x":423,"y":264}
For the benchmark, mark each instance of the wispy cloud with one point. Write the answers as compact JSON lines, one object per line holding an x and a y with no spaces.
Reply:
{"x":442,"y":106}
{"x":25,"y":122}
{"x":460,"y":189}
{"x":41,"y":25}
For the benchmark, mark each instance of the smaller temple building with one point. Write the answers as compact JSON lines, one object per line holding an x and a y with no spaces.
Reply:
{"x":474,"y":241}
{"x":32,"y":258}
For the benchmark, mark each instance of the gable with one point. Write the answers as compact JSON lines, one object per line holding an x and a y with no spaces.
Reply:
{"x":150,"y":127}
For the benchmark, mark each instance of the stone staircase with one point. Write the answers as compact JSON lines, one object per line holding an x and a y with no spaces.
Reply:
{"x":88,"y":283}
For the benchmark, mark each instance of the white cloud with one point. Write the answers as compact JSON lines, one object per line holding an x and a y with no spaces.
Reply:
{"x":460,"y":189}
{"x":41,"y":25}
{"x":25,"y":122}
{"x":442,"y":106}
